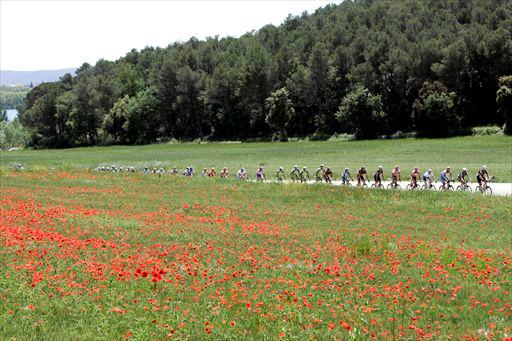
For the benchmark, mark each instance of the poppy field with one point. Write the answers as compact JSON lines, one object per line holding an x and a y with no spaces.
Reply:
{"x":125,"y":256}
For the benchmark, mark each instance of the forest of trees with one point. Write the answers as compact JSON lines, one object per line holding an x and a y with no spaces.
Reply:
{"x":12,"y":96}
{"x":364,"y":67}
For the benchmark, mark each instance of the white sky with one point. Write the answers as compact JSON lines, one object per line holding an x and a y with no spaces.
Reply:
{"x":37,"y":35}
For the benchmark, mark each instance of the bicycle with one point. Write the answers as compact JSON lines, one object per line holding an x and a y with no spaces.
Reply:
{"x":279,"y":178}
{"x":346,"y":183}
{"x":447,"y":187}
{"x":411,"y":187}
{"x":428,"y":185}
{"x":394,"y":185}
{"x":485,"y":188}
{"x":379,"y":185}
{"x":362,"y":183}
{"x":294,"y":177}
{"x":464,"y":187}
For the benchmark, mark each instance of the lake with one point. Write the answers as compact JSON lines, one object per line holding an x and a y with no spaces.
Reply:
{"x":11,"y":114}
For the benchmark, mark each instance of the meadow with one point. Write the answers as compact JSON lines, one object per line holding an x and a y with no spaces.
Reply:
{"x":470,"y":152}
{"x":91,"y":255}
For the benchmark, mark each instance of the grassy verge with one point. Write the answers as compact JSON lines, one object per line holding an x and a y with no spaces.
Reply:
{"x":471,"y":152}
{"x":120,"y":255}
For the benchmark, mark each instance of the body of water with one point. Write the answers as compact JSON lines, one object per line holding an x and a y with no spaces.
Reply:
{"x":11,"y":114}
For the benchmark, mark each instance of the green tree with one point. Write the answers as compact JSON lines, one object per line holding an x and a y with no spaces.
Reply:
{"x":433,"y":111}
{"x":280,"y":111}
{"x":361,"y":113}
{"x":3,"y":114}
{"x":504,"y":100}
{"x":13,"y":134}
{"x":141,"y":122}
{"x":113,"y":123}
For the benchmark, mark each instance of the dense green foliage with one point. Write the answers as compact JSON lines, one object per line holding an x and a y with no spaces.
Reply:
{"x":361,"y":113}
{"x":12,"y":96}
{"x":470,"y":151}
{"x":13,"y":134}
{"x":218,"y":88}
{"x":280,"y":111}
{"x":433,"y":111}
{"x":504,"y":99}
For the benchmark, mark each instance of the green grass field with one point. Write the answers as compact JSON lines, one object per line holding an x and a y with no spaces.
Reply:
{"x":98,"y":255}
{"x":94,"y":255}
{"x":470,"y":152}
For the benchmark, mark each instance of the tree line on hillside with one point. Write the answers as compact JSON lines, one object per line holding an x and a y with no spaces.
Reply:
{"x":12,"y":96}
{"x":361,"y":67}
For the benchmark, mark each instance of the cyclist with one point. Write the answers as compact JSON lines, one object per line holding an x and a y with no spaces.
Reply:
{"x":319,"y":174}
{"x":161,"y":171}
{"x":241,"y":174}
{"x":462,"y":177}
{"x":295,"y":173}
{"x":345,"y":176}
{"x":146,"y":170}
{"x":304,"y":174}
{"x":428,"y":177}
{"x":280,"y":174}
{"x":328,"y":175}
{"x":482,"y":176}
{"x":445,"y":177}
{"x":362,"y":175}
{"x":378,"y":177}
{"x":395,"y":176}
{"x":212,"y":173}
{"x":260,"y":174}
{"x":204,"y":173}
{"x":414,"y":177}
{"x":224,"y":174}
{"x":174,"y":171}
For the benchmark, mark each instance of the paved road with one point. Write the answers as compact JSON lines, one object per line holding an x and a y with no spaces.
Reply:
{"x":497,"y":188}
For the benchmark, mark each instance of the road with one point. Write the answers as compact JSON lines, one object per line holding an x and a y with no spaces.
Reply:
{"x":504,"y":189}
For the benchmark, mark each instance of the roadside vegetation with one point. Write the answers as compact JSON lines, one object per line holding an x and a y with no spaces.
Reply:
{"x":120,"y":255}
{"x":471,"y":152}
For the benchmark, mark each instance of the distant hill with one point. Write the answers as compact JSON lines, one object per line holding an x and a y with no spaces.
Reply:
{"x":8,"y":77}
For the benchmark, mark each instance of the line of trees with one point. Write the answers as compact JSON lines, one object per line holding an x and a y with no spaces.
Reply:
{"x":12,"y":96}
{"x":363,"y":67}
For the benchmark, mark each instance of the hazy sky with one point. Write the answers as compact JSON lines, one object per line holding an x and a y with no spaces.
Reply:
{"x":37,"y":35}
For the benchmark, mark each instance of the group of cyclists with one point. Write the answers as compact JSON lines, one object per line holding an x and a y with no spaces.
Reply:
{"x":325,"y":174}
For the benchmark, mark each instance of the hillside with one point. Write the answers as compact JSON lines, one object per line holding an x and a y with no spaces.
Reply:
{"x":429,"y":65}
{"x":8,"y":77}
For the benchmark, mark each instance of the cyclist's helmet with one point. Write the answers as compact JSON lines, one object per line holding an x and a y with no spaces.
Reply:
{"x":280,"y":168}
{"x":484,"y":167}
{"x":430,"y":170}
{"x":346,"y":169}
{"x":304,"y":167}
{"x":397,"y":168}
{"x":416,"y":168}
{"x":322,"y":165}
{"x":464,"y":169}
{"x":296,"y":166}
{"x":380,"y":167}
{"x":448,"y":167}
